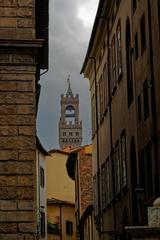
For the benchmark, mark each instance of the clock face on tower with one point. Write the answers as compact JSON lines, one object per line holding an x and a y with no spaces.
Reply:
{"x":70,"y":127}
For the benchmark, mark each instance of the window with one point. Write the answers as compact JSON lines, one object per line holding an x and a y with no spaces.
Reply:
{"x":112,"y":18}
{"x":42,"y":177}
{"x":70,"y":133}
{"x":117,"y":168}
{"x":145,"y":99}
{"x":119,"y":50}
{"x":43,"y":232}
{"x":105,"y":80}
{"x":113,"y":66}
{"x":69,"y":228}
{"x":104,"y":46}
{"x":139,"y":109}
{"x":129,"y":64}
{"x":95,"y":194}
{"x":136,"y":45}
{"x":143,"y":33}
{"x":110,"y":70}
{"x":77,"y":133}
{"x":101,"y":97}
{"x":93,"y":114}
{"x":64,"y":133}
{"x":100,"y":57}
{"x":70,"y":114}
{"x":149,"y":169}
{"x":53,"y":228}
{"x":107,"y":173}
{"x":118,"y":2}
{"x":159,"y":15}
{"x":123,"y":160}
{"x":146,"y":170}
{"x":103,"y":188}
{"x":134,"y":5}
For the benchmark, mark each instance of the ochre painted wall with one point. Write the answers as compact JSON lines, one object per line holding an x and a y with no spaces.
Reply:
{"x":59,"y":185}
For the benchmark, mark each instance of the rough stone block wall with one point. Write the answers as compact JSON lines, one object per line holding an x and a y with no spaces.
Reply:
{"x":17,"y":19}
{"x":17,"y":151}
{"x":17,"y":121}
{"x":86,"y":183}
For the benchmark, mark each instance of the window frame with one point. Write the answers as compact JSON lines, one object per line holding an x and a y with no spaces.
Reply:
{"x":129,"y":67}
{"x":119,"y":50}
{"x":123,"y":160}
{"x":108,"y":181}
{"x":117,"y":168}
{"x":42,"y":224}
{"x":42,"y":177}
{"x":103,"y":189}
{"x":139,"y":108}
{"x":145,"y":99}
{"x":113,"y":65}
{"x":134,"y":5}
{"x":143,"y":33}
{"x":101,"y":97}
{"x":69,"y":228}
{"x":136,"y":46}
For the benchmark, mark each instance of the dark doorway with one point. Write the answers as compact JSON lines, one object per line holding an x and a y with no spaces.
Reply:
{"x":125,"y":223}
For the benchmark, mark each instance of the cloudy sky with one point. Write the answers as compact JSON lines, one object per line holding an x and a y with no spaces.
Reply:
{"x":69,"y":32}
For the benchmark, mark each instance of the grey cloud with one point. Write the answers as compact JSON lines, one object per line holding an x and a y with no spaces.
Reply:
{"x":67,"y":49}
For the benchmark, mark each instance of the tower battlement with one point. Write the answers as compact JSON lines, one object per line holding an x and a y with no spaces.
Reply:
{"x":64,"y":97}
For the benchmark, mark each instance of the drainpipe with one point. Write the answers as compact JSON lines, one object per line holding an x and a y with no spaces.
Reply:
{"x":153,"y":99}
{"x":111,"y":139}
{"x":78,"y":197}
{"x":98,"y":160}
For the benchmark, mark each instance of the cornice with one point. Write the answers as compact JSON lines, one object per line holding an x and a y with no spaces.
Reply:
{"x":22,"y":43}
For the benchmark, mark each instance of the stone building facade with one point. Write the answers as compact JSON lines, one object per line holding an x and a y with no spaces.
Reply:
{"x":70,"y":127}
{"x":79,"y":168}
{"x":23,"y":52}
{"x":122,"y":66}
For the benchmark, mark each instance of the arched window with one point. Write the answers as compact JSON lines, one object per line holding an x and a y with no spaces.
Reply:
{"x":119,"y":51}
{"x":129,"y":63}
{"x":70,"y":114}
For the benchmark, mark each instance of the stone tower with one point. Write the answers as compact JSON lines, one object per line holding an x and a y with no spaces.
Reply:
{"x":70,"y":128}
